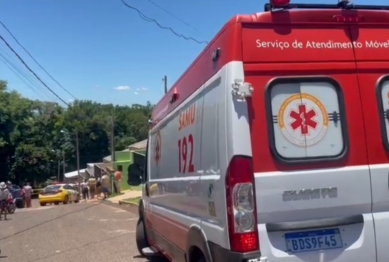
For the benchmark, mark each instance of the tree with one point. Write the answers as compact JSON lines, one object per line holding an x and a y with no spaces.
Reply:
{"x":33,"y":133}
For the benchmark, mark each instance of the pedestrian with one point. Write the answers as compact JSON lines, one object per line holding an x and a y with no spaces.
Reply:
{"x":105,"y":185}
{"x":27,"y":194}
{"x":84,"y":190}
{"x":118,"y":180}
{"x":4,"y":195}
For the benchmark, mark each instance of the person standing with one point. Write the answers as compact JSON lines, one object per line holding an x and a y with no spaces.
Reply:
{"x":4,"y":195}
{"x":105,"y":185}
{"x":27,"y":194}
{"x":118,"y":180}
{"x":84,"y":190}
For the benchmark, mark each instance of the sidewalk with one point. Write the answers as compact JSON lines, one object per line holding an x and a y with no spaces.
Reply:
{"x":127,"y":194}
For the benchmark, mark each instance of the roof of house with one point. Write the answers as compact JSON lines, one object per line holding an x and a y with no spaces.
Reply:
{"x":138,"y":146}
{"x":74,"y":173}
{"x":141,"y":145}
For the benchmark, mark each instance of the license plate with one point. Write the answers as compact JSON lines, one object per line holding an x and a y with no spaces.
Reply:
{"x":313,"y":240}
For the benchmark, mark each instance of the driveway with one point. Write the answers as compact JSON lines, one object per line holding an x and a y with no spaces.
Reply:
{"x":88,"y":232}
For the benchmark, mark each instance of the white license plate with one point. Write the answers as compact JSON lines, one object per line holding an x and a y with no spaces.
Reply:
{"x":313,"y":240}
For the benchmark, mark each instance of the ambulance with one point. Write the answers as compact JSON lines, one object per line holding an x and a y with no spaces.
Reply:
{"x":273,"y":146}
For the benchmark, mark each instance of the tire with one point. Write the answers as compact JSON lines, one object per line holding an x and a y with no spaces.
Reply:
{"x":66,"y":201}
{"x":42,"y":204}
{"x":12,"y":209}
{"x":19,"y":203}
{"x":141,"y":239}
{"x":201,"y":259}
{"x":56,"y":203}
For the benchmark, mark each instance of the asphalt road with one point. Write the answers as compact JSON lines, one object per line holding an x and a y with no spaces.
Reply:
{"x":87,"y":232}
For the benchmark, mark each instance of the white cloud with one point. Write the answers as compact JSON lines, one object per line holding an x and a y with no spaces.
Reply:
{"x":122,"y":88}
{"x":136,"y":93}
{"x":144,"y":89}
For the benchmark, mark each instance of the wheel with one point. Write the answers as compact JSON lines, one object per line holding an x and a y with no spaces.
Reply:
{"x":56,"y":203}
{"x":201,"y":259}
{"x":141,"y":239}
{"x":42,"y":204}
{"x":19,"y":203}
{"x":66,"y":201}
{"x":12,"y":209}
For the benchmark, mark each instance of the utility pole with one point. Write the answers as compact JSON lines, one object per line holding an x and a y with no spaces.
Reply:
{"x":59,"y":169}
{"x":63,"y":163}
{"x":78,"y":163}
{"x":165,"y":83}
{"x":112,"y":140}
{"x":112,"y":150}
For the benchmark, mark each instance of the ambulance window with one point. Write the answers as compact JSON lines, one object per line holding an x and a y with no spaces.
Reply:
{"x":307,"y":120}
{"x":384,"y":88}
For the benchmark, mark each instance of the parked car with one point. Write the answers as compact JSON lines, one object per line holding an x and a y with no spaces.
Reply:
{"x":16,"y":193}
{"x":59,"y":193}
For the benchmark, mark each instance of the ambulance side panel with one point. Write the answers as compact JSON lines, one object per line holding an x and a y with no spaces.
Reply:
{"x":190,"y":197}
{"x":175,"y":160}
{"x":214,"y":158}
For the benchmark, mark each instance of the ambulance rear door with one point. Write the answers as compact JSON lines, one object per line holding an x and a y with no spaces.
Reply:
{"x":372,"y":59}
{"x":313,"y":189}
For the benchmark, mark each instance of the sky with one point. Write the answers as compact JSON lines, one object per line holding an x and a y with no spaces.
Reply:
{"x":103,"y":51}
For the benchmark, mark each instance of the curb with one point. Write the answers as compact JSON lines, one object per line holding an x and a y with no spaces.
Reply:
{"x":121,"y":202}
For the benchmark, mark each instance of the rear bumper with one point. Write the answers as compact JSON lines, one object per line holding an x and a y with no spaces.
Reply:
{"x":219,"y":253}
{"x":51,"y":199}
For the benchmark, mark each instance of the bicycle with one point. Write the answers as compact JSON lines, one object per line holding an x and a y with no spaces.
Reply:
{"x":3,"y":209}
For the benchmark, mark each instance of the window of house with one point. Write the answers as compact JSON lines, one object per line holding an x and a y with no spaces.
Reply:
{"x":307,"y":119}
{"x":384,"y":108}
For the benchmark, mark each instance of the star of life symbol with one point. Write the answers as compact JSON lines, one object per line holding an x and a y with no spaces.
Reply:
{"x":157,"y":147}
{"x":303,"y":120}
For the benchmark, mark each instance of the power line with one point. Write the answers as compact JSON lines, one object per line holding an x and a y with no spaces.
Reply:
{"x":16,"y":40}
{"x":29,"y":69}
{"x":21,"y":75}
{"x":151,"y":20}
{"x":173,"y":15}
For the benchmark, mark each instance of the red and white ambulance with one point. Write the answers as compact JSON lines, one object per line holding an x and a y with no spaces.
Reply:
{"x":274,"y":145}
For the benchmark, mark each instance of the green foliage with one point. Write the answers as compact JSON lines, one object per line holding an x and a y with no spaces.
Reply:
{"x":35,"y":134}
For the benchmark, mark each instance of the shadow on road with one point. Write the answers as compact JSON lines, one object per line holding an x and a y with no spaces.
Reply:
{"x":154,"y":259}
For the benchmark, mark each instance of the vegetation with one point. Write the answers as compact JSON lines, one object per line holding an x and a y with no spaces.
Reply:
{"x":35,"y":134}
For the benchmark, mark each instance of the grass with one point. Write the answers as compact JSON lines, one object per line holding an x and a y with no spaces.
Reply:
{"x":134,"y":200}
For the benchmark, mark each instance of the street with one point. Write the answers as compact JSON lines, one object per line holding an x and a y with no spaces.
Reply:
{"x":88,"y":232}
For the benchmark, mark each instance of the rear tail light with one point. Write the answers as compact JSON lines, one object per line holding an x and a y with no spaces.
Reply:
{"x":348,"y":18}
{"x":241,"y":206}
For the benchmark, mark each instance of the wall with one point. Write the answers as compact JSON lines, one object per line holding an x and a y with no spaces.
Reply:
{"x":122,"y":156}
{"x":124,"y":159}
